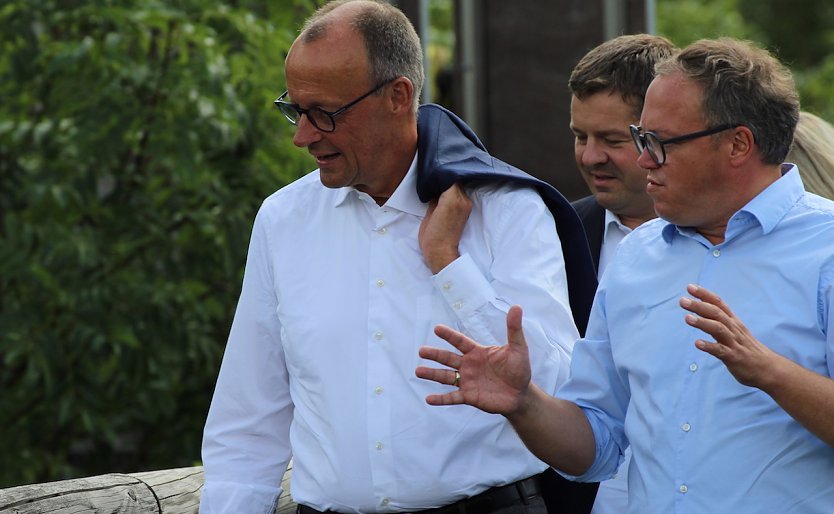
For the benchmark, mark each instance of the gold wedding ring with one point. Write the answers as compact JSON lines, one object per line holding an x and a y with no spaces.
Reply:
{"x":457,"y":379}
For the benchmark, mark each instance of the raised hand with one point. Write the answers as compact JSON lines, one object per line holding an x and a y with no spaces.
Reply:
{"x":746,"y":357}
{"x":494,"y":379}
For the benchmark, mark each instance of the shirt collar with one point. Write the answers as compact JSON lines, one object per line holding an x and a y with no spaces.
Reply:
{"x":612,"y":221}
{"x":767,"y":208}
{"x":404,"y":199}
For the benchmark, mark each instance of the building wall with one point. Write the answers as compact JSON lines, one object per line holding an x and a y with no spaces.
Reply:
{"x":512,"y":64}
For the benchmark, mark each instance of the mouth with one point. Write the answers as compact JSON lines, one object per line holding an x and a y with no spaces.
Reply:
{"x":652,"y":185}
{"x":601,"y":178}
{"x":325,"y":158}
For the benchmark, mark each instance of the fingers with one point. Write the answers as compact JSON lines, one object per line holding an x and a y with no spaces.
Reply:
{"x":709,"y":312}
{"x":445,"y":357}
{"x":455,"y":338}
{"x":455,"y":192}
{"x":456,"y":198}
{"x":515,"y":333}
{"x":449,"y":377}
{"x":431,"y":208}
{"x":713,"y":327}
{"x":708,"y":298}
{"x":453,"y":398}
{"x":717,"y":350}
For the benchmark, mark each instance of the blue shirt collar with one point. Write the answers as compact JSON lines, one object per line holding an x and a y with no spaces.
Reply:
{"x":767,"y":208}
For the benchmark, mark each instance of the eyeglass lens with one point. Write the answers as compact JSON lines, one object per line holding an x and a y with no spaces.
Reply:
{"x":320,"y":119}
{"x":649,"y":142}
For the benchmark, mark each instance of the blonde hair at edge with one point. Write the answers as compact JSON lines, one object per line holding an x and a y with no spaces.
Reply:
{"x":813,"y":152}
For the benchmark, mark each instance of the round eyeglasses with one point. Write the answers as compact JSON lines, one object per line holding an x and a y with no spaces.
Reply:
{"x":321,"y":119}
{"x":656,"y":147}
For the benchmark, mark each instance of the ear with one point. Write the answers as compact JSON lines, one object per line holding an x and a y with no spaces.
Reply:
{"x":743,"y":146}
{"x":402,"y":95}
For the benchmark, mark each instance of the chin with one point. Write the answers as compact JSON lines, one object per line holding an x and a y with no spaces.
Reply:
{"x":331,"y":181}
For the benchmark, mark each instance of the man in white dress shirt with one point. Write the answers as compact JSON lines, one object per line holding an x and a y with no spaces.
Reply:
{"x":347,"y":274}
{"x":608,"y":86}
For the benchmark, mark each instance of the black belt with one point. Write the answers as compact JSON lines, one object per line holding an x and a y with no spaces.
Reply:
{"x":491,"y":499}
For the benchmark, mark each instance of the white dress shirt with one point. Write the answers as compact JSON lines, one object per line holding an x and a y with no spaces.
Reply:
{"x":614,"y":232}
{"x":319,"y":366}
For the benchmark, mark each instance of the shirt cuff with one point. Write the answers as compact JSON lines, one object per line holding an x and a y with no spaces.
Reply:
{"x":464,"y":287}
{"x":220,"y":497}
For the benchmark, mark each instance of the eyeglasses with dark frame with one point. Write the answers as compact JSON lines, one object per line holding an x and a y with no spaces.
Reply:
{"x":321,"y":119}
{"x":656,"y":146}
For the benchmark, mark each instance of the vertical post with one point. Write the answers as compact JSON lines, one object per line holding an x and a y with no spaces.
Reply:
{"x":417,"y":12}
{"x":516,"y":58}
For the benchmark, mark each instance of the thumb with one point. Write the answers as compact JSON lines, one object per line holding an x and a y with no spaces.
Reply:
{"x":515,"y":334}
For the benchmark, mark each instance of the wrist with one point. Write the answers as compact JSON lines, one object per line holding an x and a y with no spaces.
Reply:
{"x":440,"y":259}
{"x":527,"y":404}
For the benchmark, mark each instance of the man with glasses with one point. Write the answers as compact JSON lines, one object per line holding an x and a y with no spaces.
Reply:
{"x":710,"y":349}
{"x":608,"y":86}
{"x":348,"y":272}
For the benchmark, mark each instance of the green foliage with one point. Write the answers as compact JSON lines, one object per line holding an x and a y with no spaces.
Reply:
{"x":799,"y":32}
{"x":137,"y":140}
{"x":684,"y":21}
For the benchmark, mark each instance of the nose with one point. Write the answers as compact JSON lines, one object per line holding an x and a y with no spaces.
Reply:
{"x":593,"y":154}
{"x":305,"y":133}
{"x":645,"y":161}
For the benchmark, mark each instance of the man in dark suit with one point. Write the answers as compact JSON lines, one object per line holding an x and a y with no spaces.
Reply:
{"x":608,"y":87}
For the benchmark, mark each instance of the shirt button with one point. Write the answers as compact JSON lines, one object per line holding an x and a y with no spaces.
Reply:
{"x":378,"y":446}
{"x":378,"y":390}
{"x":693,"y":367}
{"x":380,"y":283}
{"x":447,"y":286}
{"x":458,"y":305}
{"x":385,"y":501}
{"x":683,"y":488}
{"x":378,"y":336}
{"x":716,"y":253}
{"x":381,"y":231}
{"x":686,"y":427}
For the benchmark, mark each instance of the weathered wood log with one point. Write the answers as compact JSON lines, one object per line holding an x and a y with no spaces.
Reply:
{"x":169,"y":491}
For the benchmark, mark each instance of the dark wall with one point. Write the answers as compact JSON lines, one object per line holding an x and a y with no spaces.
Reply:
{"x":526,"y":50}
{"x":530,"y":47}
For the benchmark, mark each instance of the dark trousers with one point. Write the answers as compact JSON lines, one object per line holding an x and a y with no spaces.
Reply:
{"x":564,"y":496}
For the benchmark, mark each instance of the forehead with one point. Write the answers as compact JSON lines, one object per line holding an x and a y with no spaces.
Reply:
{"x":672,"y":101}
{"x":336,"y":62}
{"x":603,"y":111}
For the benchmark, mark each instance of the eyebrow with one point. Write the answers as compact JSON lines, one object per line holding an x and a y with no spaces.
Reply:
{"x":603,"y":133}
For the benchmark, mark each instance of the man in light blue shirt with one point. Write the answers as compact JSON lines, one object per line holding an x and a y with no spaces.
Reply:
{"x":722,"y":389}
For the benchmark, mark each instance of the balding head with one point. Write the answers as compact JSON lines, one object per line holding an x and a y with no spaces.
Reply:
{"x":392,"y":47}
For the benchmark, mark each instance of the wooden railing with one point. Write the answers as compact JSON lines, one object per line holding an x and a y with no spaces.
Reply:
{"x":169,"y":491}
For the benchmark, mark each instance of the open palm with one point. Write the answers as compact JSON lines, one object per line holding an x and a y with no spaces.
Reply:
{"x":492,"y":378}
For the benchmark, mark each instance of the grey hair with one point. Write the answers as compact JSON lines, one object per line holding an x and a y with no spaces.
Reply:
{"x":742,"y":84}
{"x":392,"y":44}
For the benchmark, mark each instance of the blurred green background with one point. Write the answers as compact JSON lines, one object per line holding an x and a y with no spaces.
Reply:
{"x":137,"y":140}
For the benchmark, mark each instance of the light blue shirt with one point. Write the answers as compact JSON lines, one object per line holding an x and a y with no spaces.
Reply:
{"x":701,"y":441}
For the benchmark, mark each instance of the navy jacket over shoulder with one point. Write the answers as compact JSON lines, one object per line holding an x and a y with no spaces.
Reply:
{"x":450,"y":152}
